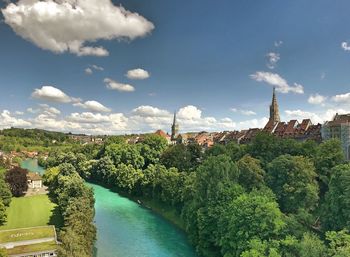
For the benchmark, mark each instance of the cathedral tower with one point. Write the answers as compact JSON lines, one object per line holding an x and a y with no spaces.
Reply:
{"x":174,"y":129}
{"x":274,"y":112}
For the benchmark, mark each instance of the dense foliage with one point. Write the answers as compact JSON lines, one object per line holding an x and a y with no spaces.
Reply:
{"x":16,"y":139}
{"x":76,"y":204}
{"x":273,"y":197}
{"x":17,"y":180}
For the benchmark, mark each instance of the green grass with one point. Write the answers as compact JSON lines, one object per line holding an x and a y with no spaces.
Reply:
{"x":30,"y":211}
{"x":23,"y":234}
{"x":32,"y":248}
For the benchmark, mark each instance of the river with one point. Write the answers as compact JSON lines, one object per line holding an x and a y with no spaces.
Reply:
{"x":125,"y":229}
{"x":32,"y":165}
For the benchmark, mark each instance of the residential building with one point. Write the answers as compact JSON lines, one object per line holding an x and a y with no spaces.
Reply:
{"x":34,"y":180}
{"x":338,"y":128}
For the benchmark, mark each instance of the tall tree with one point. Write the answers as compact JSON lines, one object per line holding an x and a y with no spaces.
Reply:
{"x":336,"y":215}
{"x":328,"y":155}
{"x":17,"y":180}
{"x":251,"y":175}
{"x":3,"y":215}
{"x":293,"y":180}
{"x":250,"y":216}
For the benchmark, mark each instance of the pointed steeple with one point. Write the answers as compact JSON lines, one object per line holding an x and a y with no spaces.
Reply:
{"x":174,"y":128}
{"x":274,"y":110}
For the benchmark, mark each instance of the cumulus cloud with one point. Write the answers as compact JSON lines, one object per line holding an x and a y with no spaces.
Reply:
{"x":277,"y":81}
{"x":243,"y":112}
{"x":345,"y":46}
{"x":114,"y":85}
{"x":69,"y":25}
{"x":8,"y":120}
{"x":52,"y":94}
{"x":189,"y":112}
{"x":341,"y":98}
{"x":150,"y":111}
{"x":138,"y":74}
{"x":316,"y":99}
{"x":93,"y":106}
{"x":272,"y":60}
{"x":88,"y":71}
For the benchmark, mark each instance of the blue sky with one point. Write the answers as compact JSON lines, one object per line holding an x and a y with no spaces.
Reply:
{"x":215,"y":62}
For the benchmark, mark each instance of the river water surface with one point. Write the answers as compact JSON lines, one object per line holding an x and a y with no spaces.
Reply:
{"x":125,"y":229}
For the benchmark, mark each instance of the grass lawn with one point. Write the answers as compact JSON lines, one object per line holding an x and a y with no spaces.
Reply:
{"x":23,"y":234}
{"x":30,"y":212}
{"x":33,"y":248}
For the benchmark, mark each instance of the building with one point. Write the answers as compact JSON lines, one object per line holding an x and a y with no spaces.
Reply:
{"x":338,"y":128}
{"x":174,"y":129}
{"x":34,"y":180}
{"x":292,"y":129}
{"x":164,"y":135}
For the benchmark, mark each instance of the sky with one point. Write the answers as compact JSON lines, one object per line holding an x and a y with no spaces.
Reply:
{"x":116,"y":67}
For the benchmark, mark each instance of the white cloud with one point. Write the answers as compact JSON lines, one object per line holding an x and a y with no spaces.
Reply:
{"x":299,"y":115}
{"x":189,"y":112}
{"x":68,"y":25}
{"x":88,"y":71}
{"x":150,"y":111}
{"x":19,"y":113}
{"x":277,"y":81}
{"x":345,"y":46}
{"x":93,"y":106}
{"x":342,"y":98}
{"x":99,"y":68}
{"x":7,"y":120}
{"x":114,"y":85}
{"x":273,"y":59}
{"x":278,"y":43}
{"x":317,"y":99}
{"x":50,"y":93}
{"x":254,"y":123}
{"x":244,"y":112}
{"x":138,"y":74}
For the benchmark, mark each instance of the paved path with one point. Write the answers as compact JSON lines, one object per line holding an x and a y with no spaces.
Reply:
{"x":27,"y":242}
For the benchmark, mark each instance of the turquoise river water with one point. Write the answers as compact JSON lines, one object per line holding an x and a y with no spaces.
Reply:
{"x":125,"y":229}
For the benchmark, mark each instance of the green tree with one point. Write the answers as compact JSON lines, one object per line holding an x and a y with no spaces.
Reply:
{"x":127,"y":177}
{"x":293,"y":180}
{"x":5,"y":192}
{"x":126,"y":154}
{"x":250,"y":216}
{"x":329,"y":154}
{"x":339,"y":243}
{"x":3,"y":215}
{"x":17,"y":180}
{"x":177,"y":156}
{"x":152,"y":148}
{"x":104,"y":170}
{"x":251,"y":175}
{"x":213,"y":187}
{"x":336,"y":214}
{"x":311,"y":246}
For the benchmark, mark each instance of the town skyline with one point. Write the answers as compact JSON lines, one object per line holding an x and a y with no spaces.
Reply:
{"x":132,"y":77}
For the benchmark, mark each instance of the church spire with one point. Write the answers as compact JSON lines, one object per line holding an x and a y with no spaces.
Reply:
{"x":274,"y":110}
{"x":174,"y":128}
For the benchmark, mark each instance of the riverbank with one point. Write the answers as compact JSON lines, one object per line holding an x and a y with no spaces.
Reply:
{"x":121,"y":222}
{"x":167,"y":212}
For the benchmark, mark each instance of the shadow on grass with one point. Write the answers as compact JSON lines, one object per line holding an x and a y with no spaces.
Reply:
{"x":56,"y":218}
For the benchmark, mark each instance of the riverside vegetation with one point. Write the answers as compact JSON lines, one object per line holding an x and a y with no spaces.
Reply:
{"x":271,"y":198}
